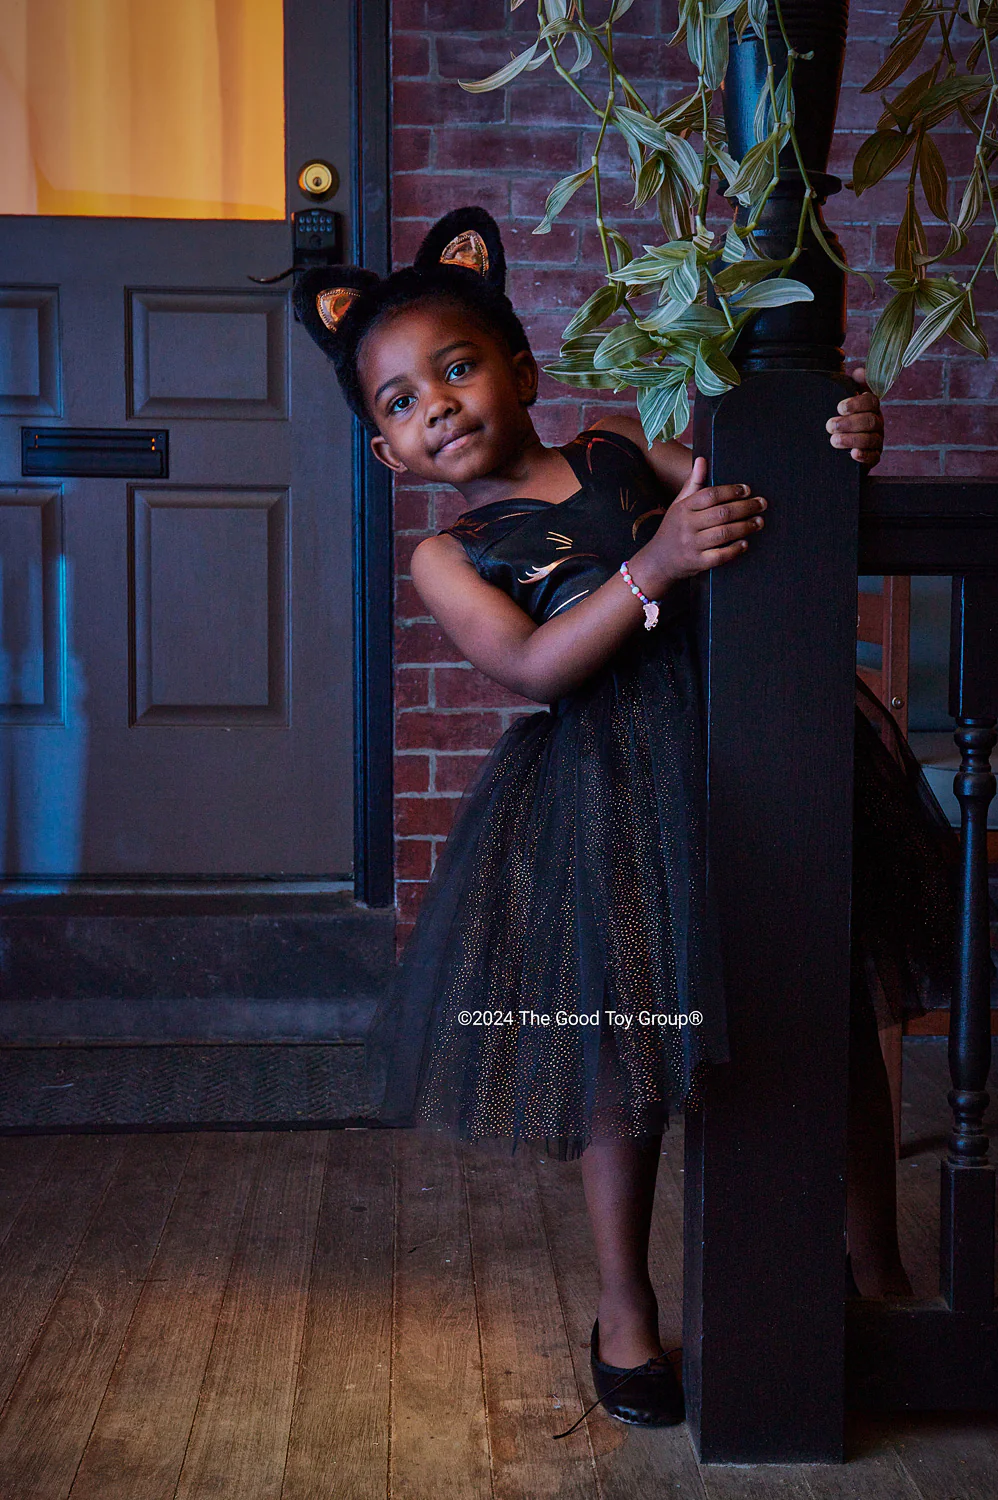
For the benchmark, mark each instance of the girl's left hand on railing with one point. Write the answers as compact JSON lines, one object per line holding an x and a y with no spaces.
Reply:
{"x":859,"y":425}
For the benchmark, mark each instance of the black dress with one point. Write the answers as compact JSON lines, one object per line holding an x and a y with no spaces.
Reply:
{"x":563,"y":975}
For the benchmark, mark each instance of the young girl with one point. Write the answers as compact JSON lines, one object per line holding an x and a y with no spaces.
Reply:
{"x":566,"y":935}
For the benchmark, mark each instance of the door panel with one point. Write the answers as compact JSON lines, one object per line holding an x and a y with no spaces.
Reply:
{"x":176,"y":655}
{"x":246,"y":377}
{"x":29,"y":352}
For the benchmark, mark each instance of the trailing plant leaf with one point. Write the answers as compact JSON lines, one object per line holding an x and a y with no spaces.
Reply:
{"x":932,"y":172}
{"x":933,"y":326}
{"x":713,"y":371}
{"x":740,"y":20}
{"x":762,"y":116}
{"x":776,"y":293}
{"x":910,"y":239}
{"x":697,"y":322}
{"x":666,"y":317}
{"x":955,"y":241}
{"x":621,"y":249}
{"x":650,"y":133}
{"x":623,"y":345}
{"x":684,"y":280}
{"x":685,"y":114}
{"x":595,"y":310}
{"x":651,"y":268}
{"x":650,"y":179}
{"x":734,"y":245}
{"x":973,"y":197}
{"x":939,"y":102}
{"x":559,"y":196}
{"x":758,"y":11}
{"x":877,"y":156}
{"x":935,"y":292}
{"x":889,"y":341}
{"x":746,"y":273}
{"x":726,"y":162}
{"x":664,"y":409}
{"x":644,"y":127}
{"x":756,"y":170}
{"x":503,"y":75}
{"x":899,"y":110}
{"x":708,"y":48}
{"x":583,"y":53}
{"x":836,"y":260}
{"x":900,"y":58}
{"x":674,"y":202}
{"x":586,"y":380}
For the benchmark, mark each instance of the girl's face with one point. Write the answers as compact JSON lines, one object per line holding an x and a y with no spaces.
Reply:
{"x":449,"y":399}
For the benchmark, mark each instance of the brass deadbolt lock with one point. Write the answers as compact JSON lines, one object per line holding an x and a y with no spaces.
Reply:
{"x":318,"y":179}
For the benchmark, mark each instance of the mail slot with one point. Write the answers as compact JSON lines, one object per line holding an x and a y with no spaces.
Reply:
{"x":82,"y":452}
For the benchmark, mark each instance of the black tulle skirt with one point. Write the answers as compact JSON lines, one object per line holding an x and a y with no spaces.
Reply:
{"x":905,"y":875}
{"x":570,"y":896}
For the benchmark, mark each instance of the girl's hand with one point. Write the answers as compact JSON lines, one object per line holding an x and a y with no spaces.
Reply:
{"x":701,"y":529}
{"x":860,"y":425}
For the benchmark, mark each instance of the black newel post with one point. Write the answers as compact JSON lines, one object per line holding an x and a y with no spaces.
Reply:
{"x":766,"y":1151}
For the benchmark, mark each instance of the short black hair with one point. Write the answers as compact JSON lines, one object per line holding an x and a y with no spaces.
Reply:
{"x":368,"y":299}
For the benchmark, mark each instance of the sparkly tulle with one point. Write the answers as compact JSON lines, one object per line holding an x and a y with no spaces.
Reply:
{"x":572,"y":885}
{"x":905,"y":873}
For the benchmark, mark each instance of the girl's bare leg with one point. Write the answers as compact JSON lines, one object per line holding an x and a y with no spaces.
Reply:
{"x":619,"y":1180}
{"x":871,"y":1175}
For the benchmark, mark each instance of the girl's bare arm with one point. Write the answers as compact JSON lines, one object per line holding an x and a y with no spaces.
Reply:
{"x":701,"y":529}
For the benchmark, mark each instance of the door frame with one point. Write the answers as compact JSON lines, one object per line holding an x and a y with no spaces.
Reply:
{"x":373,"y":561}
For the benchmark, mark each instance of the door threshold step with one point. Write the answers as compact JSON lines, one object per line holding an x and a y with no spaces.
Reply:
{"x":57,"y":1089}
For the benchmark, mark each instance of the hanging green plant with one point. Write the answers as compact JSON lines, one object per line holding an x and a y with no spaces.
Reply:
{"x":904,"y":128}
{"x":670,"y":316}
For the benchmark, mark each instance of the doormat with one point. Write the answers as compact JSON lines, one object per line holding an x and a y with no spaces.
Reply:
{"x":161,"y":1088}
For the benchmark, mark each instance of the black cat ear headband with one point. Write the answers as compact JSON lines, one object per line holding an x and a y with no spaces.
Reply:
{"x":461,"y":256}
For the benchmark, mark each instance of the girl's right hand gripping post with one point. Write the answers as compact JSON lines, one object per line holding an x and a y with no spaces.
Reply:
{"x":702,"y":528}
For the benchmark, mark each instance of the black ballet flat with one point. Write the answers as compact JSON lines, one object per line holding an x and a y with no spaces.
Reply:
{"x":647,"y":1395}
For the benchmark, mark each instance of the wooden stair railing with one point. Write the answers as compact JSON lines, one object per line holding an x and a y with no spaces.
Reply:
{"x":942,"y":1352}
{"x":884,"y":620}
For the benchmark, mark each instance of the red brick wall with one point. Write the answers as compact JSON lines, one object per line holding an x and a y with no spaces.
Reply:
{"x":504,"y":150}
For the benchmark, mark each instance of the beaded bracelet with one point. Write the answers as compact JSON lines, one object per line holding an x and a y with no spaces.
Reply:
{"x":650,"y":606}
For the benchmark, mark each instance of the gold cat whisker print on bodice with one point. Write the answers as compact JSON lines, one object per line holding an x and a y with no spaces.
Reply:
{"x":565,"y":602}
{"x":560,"y":540}
{"x":539,"y":572}
{"x":658,"y":510}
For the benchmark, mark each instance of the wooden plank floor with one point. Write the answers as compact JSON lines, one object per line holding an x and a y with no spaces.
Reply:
{"x":357,"y":1315}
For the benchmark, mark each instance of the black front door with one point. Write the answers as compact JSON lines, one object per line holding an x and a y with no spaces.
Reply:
{"x":175,"y":655}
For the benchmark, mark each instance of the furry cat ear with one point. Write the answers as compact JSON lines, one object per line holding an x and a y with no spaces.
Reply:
{"x":323,"y":297}
{"x":469,"y":238}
